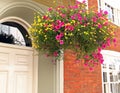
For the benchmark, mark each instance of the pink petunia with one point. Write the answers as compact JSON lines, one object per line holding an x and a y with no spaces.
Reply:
{"x":77,"y":61}
{"x":57,"y":27}
{"x":99,"y":14}
{"x":69,"y":27}
{"x":114,"y":40}
{"x":99,"y":26}
{"x":84,"y":1}
{"x":105,"y":12}
{"x":86,"y":56}
{"x":99,"y":49}
{"x":91,"y":69}
{"x":58,"y":37}
{"x":72,"y":17}
{"x":45,"y":17}
{"x":105,"y":23}
{"x":80,"y":18}
{"x":63,"y":15}
{"x":58,"y":21}
{"x":94,"y":19}
{"x":101,"y":61}
{"x":61,"y":42}
{"x":50,"y":9}
{"x":61,"y":34}
{"x":55,"y":54}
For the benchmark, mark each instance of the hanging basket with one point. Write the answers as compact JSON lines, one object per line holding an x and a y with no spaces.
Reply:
{"x":86,"y":32}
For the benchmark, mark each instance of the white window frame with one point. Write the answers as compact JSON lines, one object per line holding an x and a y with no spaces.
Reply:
{"x":111,"y":13}
{"x":116,"y":10}
{"x":109,"y":58}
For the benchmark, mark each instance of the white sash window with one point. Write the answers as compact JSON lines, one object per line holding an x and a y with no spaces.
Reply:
{"x":113,"y":8}
{"x":111,"y":72}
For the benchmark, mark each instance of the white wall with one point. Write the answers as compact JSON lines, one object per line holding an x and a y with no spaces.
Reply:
{"x":46,"y":75}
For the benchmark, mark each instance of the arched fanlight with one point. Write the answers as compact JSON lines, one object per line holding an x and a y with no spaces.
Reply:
{"x":21,"y":31}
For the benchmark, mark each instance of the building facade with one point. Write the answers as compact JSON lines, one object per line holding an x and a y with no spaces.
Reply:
{"x":23,"y":70}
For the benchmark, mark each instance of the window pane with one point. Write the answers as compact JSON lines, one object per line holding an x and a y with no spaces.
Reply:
{"x":104,"y":66}
{"x":9,"y":30}
{"x":119,"y":75}
{"x":112,"y":66}
{"x":111,"y":77}
{"x":105,"y":88}
{"x":104,"y":76}
{"x":19,"y":40}
{"x":119,"y":88}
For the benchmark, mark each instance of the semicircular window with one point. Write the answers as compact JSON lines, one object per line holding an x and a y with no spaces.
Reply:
{"x":12,"y":35}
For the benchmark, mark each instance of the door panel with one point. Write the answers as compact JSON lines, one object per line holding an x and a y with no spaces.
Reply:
{"x":3,"y":82}
{"x":16,"y":69}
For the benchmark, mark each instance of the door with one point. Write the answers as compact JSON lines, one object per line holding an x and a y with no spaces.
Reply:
{"x":16,"y":69}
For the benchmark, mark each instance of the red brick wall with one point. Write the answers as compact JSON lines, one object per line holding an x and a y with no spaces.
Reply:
{"x":79,"y":79}
{"x":117,"y":46}
{"x":93,"y":4}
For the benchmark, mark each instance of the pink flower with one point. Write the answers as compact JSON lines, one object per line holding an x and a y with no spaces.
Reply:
{"x":72,"y":17}
{"x":63,"y":15}
{"x":103,"y":46}
{"x":75,"y":6}
{"x":105,"y":24}
{"x":94,"y":19}
{"x":61,"y":42}
{"x":84,"y":1}
{"x":77,"y":2}
{"x":57,"y":27}
{"x":50,"y":9}
{"x":61,"y":34}
{"x":69,"y":27}
{"x":58,"y":37}
{"x":94,"y":55}
{"x":105,"y":12}
{"x":101,"y":61}
{"x":77,"y":61}
{"x":91,"y":69}
{"x":45,"y":17}
{"x":99,"y":26}
{"x":100,"y":13}
{"x":55,"y":54}
{"x":58,"y":21}
{"x":99,"y":49}
{"x":114,"y":40}
{"x":79,"y":18}
{"x":62,"y":24}
{"x":85,"y":64}
{"x":86,"y":56}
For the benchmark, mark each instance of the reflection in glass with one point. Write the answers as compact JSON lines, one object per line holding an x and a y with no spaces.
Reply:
{"x":104,"y":76}
{"x":19,"y":40}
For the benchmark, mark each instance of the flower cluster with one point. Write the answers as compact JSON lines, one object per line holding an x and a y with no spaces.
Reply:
{"x":75,"y":27}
